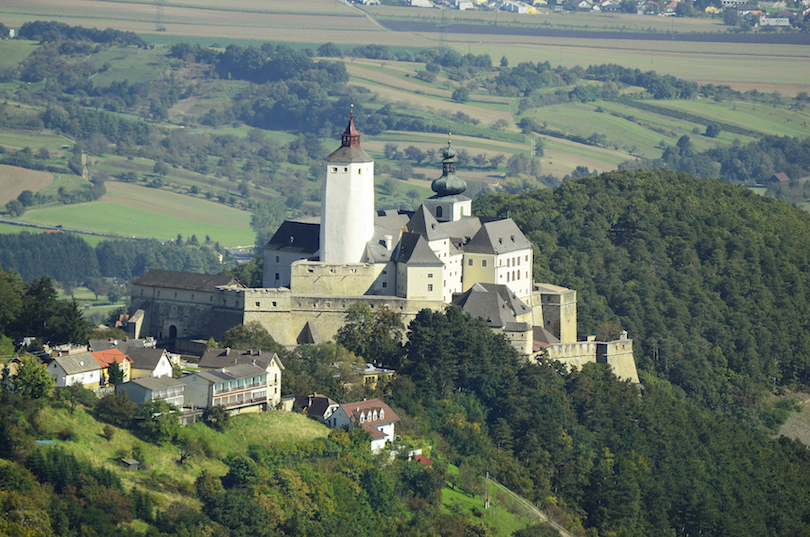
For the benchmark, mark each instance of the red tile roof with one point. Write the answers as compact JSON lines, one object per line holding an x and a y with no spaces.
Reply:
{"x":106,"y":358}
{"x":424,"y":461}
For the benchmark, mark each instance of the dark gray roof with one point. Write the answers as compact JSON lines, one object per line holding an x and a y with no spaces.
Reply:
{"x":544,"y":336}
{"x":426,"y":224}
{"x":348,"y":154}
{"x":219,"y":358}
{"x":157,"y":383}
{"x":498,"y":237}
{"x":296,"y":236}
{"x":145,"y":358}
{"x":185,"y":280}
{"x":496,"y":304}
{"x":413,"y":249}
{"x":315,"y":405}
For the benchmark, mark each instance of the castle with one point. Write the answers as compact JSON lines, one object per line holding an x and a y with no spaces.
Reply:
{"x":314,"y":269}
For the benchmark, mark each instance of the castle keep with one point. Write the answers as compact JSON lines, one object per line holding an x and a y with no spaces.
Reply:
{"x":441,"y":254}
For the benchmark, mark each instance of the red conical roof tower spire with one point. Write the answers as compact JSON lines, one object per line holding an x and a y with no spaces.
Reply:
{"x":350,"y":136}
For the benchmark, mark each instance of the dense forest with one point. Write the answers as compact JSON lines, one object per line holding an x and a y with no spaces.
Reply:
{"x":604,"y":457}
{"x":710,"y":278}
{"x":69,"y":259}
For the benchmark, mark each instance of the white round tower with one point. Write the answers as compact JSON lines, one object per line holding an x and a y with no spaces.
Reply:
{"x":347,"y":206}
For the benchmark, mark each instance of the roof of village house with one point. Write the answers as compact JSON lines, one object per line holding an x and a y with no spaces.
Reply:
{"x":780,"y":177}
{"x":354,"y":410}
{"x":375,"y":433}
{"x":122,"y":344}
{"x":494,"y":303}
{"x":498,"y":237}
{"x":421,"y":459}
{"x":229,"y":373}
{"x":77,"y":363}
{"x":315,"y":405}
{"x":106,"y":358}
{"x":157,"y":383}
{"x":300,"y":236}
{"x":219,"y":358}
{"x":145,"y":358}
{"x":413,"y":249}
{"x":185,"y":280}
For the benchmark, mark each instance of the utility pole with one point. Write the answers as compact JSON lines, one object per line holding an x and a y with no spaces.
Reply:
{"x":159,"y":26}
{"x":443,"y":25}
{"x":486,"y":493}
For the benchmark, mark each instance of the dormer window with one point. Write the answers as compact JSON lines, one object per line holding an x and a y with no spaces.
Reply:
{"x":362,"y":417}
{"x":382,"y":414}
{"x":439,"y":212}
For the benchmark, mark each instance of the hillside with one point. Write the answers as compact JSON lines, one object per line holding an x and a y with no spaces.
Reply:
{"x":709,"y":278}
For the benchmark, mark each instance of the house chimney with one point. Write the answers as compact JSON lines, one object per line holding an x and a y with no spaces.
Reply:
{"x":250,"y":352}
{"x":227,"y":351}
{"x":389,"y":241}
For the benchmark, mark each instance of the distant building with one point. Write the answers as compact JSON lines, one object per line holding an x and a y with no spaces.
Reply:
{"x":147,"y":389}
{"x":780,"y":177}
{"x":372,"y":415}
{"x":240,"y":389}
{"x":779,"y":22}
{"x":108,"y":357}
{"x":80,"y":369}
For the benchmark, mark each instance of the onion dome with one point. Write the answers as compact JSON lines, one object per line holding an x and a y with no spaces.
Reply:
{"x":448,"y":184}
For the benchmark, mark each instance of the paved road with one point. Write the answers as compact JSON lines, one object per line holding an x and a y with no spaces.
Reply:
{"x":504,"y":29}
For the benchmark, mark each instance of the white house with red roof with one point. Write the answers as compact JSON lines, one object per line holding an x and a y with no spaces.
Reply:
{"x":372,"y":415}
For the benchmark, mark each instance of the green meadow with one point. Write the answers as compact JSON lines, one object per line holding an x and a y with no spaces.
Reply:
{"x":129,"y":210}
{"x":128,"y":63}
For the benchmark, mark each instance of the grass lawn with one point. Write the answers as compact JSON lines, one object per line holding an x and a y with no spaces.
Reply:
{"x":131,"y":210}
{"x":778,"y":120}
{"x":18,"y":139}
{"x":503,"y":515}
{"x":162,"y":474}
{"x":129,"y":63}
{"x":12,"y":52}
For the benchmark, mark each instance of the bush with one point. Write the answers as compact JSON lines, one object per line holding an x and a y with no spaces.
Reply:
{"x":109,"y":432}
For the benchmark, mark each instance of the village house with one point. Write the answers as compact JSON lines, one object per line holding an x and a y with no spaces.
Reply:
{"x":240,"y":389}
{"x":145,"y":389}
{"x":150,"y":362}
{"x":79,"y":368}
{"x":317,"y":407}
{"x":372,"y":415}
{"x":108,"y":357}
{"x":213,"y":359}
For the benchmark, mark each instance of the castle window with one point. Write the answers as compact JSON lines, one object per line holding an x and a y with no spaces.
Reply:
{"x":430,"y":287}
{"x":192,"y":297}
{"x":274,"y":304}
{"x":334,"y":170}
{"x":258,"y":304}
{"x":518,"y":275}
{"x":507,"y":276}
{"x":444,"y":283}
{"x":430,"y":274}
{"x":462,"y":211}
{"x":438,"y":212}
{"x":210,"y":299}
{"x":513,"y":275}
{"x":527,"y":257}
{"x":158,"y":293}
{"x":507,"y":262}
{"x":384,"y":284}
{"x":385,"y":272}
{"x":469,"y":262}
{"x":277,"y":259}
{"x":175,"y":295}
{"x":483,"y":262}
{"x":345,"y":170}
{"x":141,"y":291}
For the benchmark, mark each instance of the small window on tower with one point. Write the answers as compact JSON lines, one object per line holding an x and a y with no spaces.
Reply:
{"x":278,"y":259}
{"x":345,"y":170}
{"x":334,"y":170}
{"x":384,"y":284}
{"x":430,"y":287}
{"x":483,"y":262}
{"x":430,"y":274}
{"x":469,"y":262}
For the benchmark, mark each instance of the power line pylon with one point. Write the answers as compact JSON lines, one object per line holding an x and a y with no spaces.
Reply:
{"x":159,"y":26}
